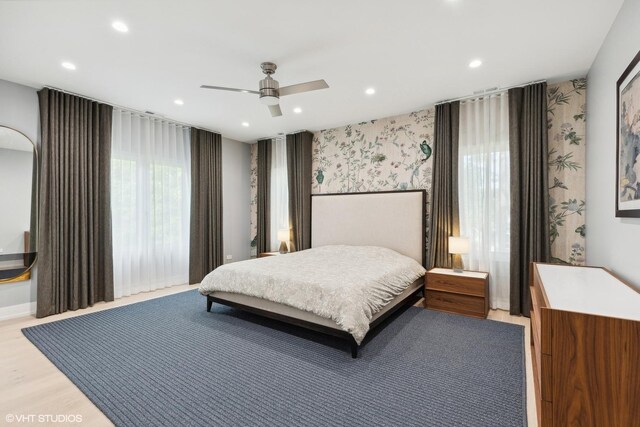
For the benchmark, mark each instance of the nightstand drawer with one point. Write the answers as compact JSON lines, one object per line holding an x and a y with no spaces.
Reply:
{"x":455,"y":303}
{"x":265,"y":254}
{"x":456,"y":284}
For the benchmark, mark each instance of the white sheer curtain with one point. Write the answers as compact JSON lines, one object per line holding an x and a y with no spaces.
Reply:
{"x":484,"y":190}
{"x":279,"y":190}
{"x":150,"y":202}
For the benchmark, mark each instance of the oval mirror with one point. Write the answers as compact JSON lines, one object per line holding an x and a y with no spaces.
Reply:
{"x":19,"y":196}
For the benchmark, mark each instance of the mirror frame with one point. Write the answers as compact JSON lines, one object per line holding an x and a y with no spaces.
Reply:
{"x":35,"y":186}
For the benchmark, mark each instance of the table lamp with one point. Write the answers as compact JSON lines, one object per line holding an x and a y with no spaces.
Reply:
{"x":457,"y":247}
{"x":283,"y":237}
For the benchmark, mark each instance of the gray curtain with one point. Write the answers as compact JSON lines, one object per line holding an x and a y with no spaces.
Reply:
{"x":299,"y":158}
{"x":205,"y":237}
{"x":529,"y":188}
{"x":263,"y":238}
{"x":30,"y":245}
{"x":444,"y":190}
{"x":75,"y":263}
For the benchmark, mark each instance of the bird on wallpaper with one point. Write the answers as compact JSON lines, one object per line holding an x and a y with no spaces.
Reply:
{"x":426,"y":149}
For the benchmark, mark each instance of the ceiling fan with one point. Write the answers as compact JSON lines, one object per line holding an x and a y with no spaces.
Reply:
{"x":270,"y":91}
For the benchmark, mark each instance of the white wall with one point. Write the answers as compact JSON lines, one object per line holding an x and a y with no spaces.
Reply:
{"x":19,"y":110}
{"x":236,"y":160}
{"x":611,"y":242}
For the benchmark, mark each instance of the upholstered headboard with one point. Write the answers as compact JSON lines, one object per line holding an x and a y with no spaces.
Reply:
{"x":392,"y":219}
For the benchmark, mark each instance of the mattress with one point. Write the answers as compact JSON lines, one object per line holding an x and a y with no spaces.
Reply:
{"x":347,"y":285}
{"x":307,"y":316}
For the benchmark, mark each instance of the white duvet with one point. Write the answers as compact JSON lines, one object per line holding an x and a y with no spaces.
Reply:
{"x":348,"y":284}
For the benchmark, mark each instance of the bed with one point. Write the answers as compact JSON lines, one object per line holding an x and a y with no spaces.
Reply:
{"x":366,"y":261}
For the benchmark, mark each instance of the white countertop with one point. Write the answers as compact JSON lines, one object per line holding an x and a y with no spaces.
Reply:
{"x":474,"y":274}
{"x":589,"y":290}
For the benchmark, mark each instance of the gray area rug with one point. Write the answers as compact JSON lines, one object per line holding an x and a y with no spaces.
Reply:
{"x":168,"y":362}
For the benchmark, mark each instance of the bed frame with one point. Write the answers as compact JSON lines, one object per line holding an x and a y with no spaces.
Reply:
{"x":399,"y":221}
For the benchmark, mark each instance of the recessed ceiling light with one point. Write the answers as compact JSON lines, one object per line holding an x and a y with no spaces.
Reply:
{"x":120,"y":26}
{"x":68,"y":65}
{"x":475,"y":63}
{"x":245,"y":124}
{"x":178,"y":102}
{"x":297,"y":110}
{"x":370,"y":91}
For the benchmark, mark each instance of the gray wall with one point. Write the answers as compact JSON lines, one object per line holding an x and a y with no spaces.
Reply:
{"x":611,"y":242}
{"x":236,"y":159}
{"x":19,"y":110}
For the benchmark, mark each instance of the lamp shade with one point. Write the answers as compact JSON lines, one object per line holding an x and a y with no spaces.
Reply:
{"x":458,"y":245}
{"x":283,"y":235}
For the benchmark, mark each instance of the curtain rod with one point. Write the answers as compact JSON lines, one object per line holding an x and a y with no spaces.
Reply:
{"x":489,"y":92}
{"x":142,"y":113}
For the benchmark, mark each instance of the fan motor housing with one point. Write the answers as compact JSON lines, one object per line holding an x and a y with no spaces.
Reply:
{"x":269,"y":89}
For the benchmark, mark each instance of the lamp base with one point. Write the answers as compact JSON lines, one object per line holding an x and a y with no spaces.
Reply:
{"x":456,"y":265}
{"x":283,"y":248}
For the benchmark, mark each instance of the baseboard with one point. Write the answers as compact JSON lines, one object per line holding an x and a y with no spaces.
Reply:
{"x":18,"y":310}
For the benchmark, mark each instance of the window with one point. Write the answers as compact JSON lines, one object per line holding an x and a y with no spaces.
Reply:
{"x":484,"y":192}
{"x":279,"y":190}
{"x":150,"y":203}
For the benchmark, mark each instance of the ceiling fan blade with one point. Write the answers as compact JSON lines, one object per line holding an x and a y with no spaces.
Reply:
{"x":275,"y":110}
{"x":303,"y":87}
{"x":231,"y":89}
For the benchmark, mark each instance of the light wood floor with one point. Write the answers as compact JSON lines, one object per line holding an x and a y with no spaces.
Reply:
{"x":31,"y":385}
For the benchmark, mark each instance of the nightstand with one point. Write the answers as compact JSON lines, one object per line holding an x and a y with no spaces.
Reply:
{"x":264,"y":254}
{"x":461,"y":293}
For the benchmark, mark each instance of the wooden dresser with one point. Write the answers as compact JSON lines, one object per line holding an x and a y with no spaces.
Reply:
{"x":585,"y":347}
{"x":461,"y":293}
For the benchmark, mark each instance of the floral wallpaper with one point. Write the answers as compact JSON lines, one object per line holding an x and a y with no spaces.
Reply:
{"x":566,"y":117}
{"x":387,"y":154}
{"x":395,"y":154}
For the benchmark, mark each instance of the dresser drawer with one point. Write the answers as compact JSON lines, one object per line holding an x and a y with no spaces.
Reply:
{"x":455,"y":303}
{"x":534,"y":320}
{"x":457,"y":284}
{"x":540,"y":321}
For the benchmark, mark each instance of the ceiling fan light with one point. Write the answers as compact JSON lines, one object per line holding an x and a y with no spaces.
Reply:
{"x":269,"y":100}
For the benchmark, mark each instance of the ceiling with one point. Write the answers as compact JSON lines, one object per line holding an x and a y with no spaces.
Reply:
{"x":414,"y":53}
